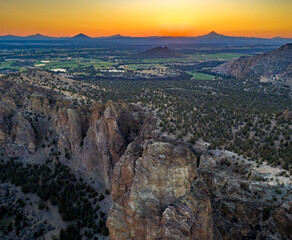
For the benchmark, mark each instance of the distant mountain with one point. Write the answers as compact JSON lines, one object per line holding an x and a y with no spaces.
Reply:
{"x":277,"y":63}
{"x":212,"y":38}
{"x":117,"y":36}
{"x":35,"y":37}
{"x":38,"y":37}
{"x":81,"y":36}
{"x":213,"y":35}
{"x":10,"y":37}
{"x":158,"y":52}
{"x":30,"y":37}
{"x":278,"y":38}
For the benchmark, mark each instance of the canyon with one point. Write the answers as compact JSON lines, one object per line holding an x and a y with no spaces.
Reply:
{"x":160,"y":188}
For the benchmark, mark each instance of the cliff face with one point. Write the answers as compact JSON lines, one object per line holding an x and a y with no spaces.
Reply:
{"x":243,"y":208}
{"x":158,"y":192}
{"x":108,"y":135}
{"x":159,"y":188}
{"x":17,"y":135}
{"x":157,"y":195}
{"x":90,"y":136}
{"x":267,"y":64}
{"x":22,"y":139}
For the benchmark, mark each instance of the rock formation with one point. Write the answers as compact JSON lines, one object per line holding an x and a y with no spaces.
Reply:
{"x":282,"y":219}
{"x":92,"y":136}
{"x":160,"y":189}
{"x":22,"y":139}
{"x":242,"y":208}
{"x":153,"y":198}
{"x":286,"y":115}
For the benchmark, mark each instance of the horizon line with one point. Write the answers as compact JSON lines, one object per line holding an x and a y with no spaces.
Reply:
{"x":187,"y":36}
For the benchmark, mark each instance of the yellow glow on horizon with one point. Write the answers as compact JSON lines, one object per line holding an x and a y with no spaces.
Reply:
{"x":266,"y":18}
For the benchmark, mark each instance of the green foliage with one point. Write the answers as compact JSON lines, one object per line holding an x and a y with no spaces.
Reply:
{"x":266,"y":213}
{"x":237,"y":115}
{"x":77,"y":201}
{"x":70,"y":233}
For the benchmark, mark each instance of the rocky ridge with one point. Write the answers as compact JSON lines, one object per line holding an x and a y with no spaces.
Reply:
{"x":91,"y":136}
{"x":277,"y":63}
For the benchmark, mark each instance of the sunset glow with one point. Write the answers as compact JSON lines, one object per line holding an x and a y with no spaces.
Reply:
{"x":260,"y":18}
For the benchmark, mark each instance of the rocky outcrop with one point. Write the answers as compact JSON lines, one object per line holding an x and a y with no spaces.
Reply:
{"x":91,"y":136}
{"x":282,"y":219}
{"x":287,"y":74}
{"x":22,"y":138}
{"x":267,"y":64}
{"x":20,"y":114}
{"x":109,"y":133}
{"x":68,"y":127}
{"x":157,"y":195}
{"x":286,"y":115}
{"x":244,"y":209}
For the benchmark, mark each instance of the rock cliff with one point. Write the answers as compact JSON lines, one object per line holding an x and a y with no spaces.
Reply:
{"x":90,"y":136}
{"x":157,"y":195}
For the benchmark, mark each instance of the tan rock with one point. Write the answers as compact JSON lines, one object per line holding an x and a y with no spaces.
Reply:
{"x":282,"y":219}
{"x":22,"y":140}
{"x":68,"y":126}
{"x":152,"y":195}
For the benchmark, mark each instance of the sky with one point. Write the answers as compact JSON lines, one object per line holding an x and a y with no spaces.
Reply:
{"x":259,"y":18}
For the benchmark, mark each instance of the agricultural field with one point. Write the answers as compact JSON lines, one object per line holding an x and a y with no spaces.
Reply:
{"x":135,"y":67}
{"x":216,"y":56}
{"x":201,"y":76}
{"x":101,"y":62}
{"x":197,"y":57}
{"x":8,"y":65}
{"x":166,"y":60}
{"x":74,"y":64}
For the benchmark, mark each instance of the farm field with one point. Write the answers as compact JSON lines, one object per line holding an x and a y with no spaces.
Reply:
{"x":201,"y":76}
{"x":102,"y":62}
{"x":216,"y":56}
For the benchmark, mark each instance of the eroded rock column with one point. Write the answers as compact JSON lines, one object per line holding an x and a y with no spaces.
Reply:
{"x":157,"y":195}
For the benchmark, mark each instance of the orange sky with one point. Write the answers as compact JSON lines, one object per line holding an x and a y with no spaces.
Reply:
{"x":261,"y":18}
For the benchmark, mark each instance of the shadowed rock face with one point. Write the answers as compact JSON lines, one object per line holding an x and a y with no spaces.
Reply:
{"x":108,"y":135}
{"x":245,"y":209}
{"x":282,"y":219}
{"x":22,"y":139}
{"x":93,"y":136}
{"x":158,"y":192}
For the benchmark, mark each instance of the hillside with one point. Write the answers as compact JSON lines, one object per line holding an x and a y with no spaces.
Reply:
{"x":276,"y":63}
{"x":158,"y":52}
